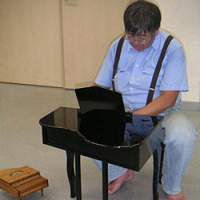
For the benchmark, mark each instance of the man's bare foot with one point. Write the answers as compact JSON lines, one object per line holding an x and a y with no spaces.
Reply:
{"x":115,"y":185}
{"x":179,"y":196}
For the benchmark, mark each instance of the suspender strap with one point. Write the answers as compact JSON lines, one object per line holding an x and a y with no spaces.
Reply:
{"x":116,"y":61}
{"x":157,"y":70}
{"x":155,"y":75}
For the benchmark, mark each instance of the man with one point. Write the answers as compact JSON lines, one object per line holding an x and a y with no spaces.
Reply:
{"x":139,"y":55}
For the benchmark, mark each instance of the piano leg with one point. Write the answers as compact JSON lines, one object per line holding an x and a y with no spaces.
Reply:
{"x":105,"y":180}
{"x":78,"y":176}
{"x":70,"y":172}
{"x":155,"y":175}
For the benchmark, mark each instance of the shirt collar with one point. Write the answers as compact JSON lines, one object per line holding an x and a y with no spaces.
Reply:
{"x":156,"y":42}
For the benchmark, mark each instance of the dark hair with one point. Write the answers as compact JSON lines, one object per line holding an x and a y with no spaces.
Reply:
{"x":141,"y":17}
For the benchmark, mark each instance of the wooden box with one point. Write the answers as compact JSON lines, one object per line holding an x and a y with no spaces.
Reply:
{"x":19,"y":182}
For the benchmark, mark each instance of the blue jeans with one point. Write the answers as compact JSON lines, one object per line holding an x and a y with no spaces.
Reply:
{"x":178,"y":134}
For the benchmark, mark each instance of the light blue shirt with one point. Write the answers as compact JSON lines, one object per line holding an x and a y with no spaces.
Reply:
{"x":136,"y":68}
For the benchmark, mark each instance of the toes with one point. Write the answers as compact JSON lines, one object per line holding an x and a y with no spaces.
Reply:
{"x":176,"y":197}
{"x":115,"y":185}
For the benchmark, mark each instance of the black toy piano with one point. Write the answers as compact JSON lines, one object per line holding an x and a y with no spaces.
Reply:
{"x":96,"y":130}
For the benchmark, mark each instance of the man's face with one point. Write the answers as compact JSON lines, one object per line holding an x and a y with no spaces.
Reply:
{"x":141,"y":41}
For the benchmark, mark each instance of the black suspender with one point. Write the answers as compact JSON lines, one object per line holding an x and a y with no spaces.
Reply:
{"x":116,"y":61}
{"x":156,"y":72}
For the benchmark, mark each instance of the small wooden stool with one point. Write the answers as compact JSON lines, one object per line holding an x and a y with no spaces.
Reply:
{"x":19,"y":182}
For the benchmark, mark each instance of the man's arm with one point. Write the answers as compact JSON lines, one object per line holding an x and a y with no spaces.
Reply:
{"x":166,"y":100}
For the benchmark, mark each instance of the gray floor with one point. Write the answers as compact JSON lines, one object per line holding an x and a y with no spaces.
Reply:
{"x":21,"y":107}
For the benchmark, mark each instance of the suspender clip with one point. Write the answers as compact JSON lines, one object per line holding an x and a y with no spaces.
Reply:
{"x":151,"y":89}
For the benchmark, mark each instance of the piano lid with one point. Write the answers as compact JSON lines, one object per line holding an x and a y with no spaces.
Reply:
{"x":92,"y":98}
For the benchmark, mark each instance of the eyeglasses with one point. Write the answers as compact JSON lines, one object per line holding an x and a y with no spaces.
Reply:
{"x":143,"y":38}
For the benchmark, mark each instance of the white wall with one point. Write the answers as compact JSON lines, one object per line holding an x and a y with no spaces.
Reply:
{"x":31,"y":46}
{"x":30,"y":42}
{"x":182,"y":18}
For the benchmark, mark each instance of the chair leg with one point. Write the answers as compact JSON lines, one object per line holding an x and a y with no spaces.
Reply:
{"x":155,"y":175}
{"x":161,"y":162}
{"x":42,"y":192}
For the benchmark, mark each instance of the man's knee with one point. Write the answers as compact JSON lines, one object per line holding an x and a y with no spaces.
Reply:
{"x":179,"y":129}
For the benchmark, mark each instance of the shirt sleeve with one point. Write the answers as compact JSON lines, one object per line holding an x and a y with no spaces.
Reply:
{"x":104,"y":77}
{"x":175,"y":75}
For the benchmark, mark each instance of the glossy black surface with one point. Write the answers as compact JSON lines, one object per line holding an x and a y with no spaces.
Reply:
{"x":98,"y":134}
{"x":92,"y":98}
{"x":104,"y":127}
{"x":97,"y":130}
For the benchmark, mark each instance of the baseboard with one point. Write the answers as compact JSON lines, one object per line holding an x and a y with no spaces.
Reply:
{"x":189,"y":105}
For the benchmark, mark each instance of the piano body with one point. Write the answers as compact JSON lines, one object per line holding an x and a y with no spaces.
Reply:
{"x":96,"y":130}
{"x":99,"y":134}
{"x":60,"y":129}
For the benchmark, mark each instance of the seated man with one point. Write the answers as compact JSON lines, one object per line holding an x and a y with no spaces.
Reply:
{"x":140,"y":53}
